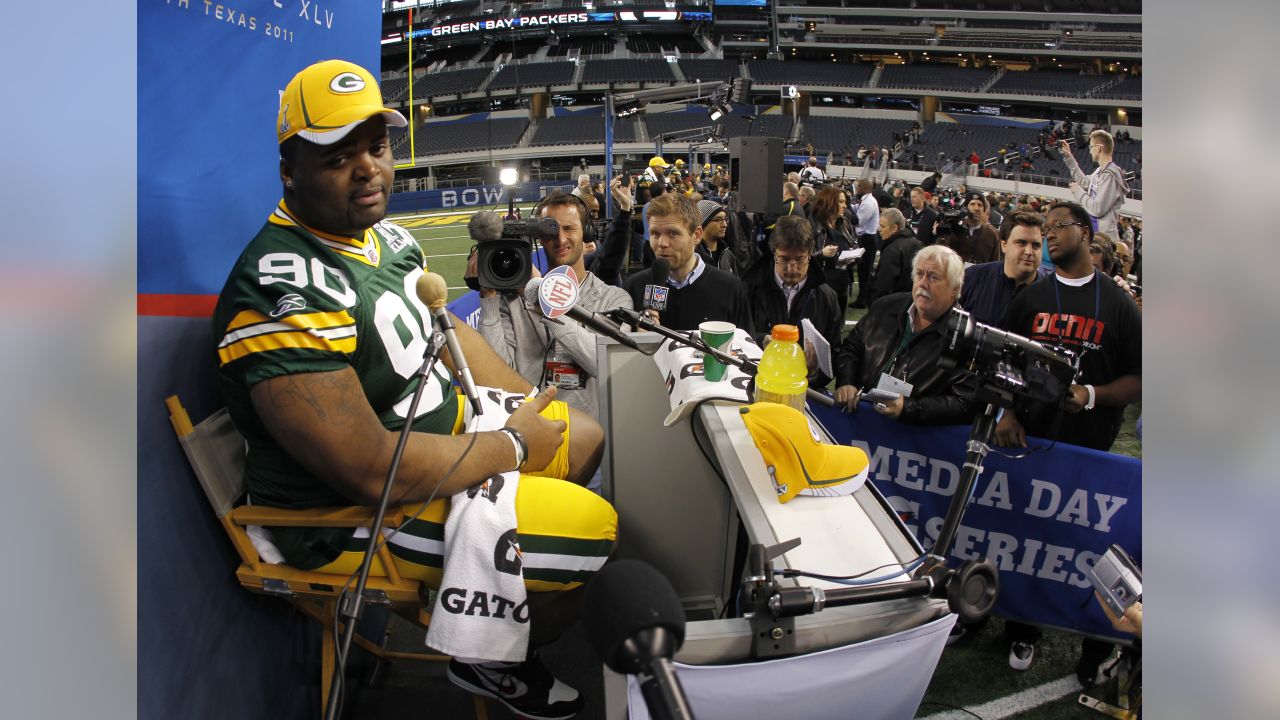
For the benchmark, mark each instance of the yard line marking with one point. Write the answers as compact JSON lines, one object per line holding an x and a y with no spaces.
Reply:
{"x":1016,"y":703}
{"x":450,"y":255}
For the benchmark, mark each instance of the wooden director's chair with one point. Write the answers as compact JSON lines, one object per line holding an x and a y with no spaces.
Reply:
{"x":216,"y":452}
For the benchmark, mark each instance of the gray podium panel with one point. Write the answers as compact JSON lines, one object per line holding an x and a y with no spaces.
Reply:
{"x":674,"y":512}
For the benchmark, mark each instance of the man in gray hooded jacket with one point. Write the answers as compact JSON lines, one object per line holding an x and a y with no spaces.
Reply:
{"x":551,"y":352}
{"x":1103,"y":191}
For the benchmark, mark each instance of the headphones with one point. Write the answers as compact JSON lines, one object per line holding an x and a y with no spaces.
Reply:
{"x":584,"y":212}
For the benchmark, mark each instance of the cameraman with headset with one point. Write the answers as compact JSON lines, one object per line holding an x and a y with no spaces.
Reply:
{"x":546,"y":352}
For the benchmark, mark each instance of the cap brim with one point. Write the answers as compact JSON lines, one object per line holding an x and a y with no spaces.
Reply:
{"x":332,"y":129}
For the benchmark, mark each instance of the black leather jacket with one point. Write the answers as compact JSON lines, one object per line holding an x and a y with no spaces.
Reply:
{"x":938,"y":396}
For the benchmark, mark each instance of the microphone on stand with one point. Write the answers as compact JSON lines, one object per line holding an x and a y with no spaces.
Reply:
{"x":597,"y":322}
{"x":635,"y":624}
{"x":432,"y":290}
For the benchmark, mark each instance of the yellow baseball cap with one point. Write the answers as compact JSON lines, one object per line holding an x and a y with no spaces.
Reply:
{"x":657,"y":161}
{"x":329,"y":99}
{"x":797,"y":463}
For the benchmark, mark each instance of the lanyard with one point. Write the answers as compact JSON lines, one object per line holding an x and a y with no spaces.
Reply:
{"x":1097,"y":309}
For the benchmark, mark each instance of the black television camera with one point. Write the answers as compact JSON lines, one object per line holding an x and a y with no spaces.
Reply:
{"x":1007,"y":367}
{"x":504,"y":259}
{"x":950,"y":222}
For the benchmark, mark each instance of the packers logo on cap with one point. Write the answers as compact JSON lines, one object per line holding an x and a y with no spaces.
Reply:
{"x":796,"y":462}
{"x":347,"y":82}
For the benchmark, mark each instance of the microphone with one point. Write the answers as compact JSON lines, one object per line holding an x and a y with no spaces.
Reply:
{"x":432,"y":291}
{"x":655,"y":295}
{"x":598,"y":323}
{"x":635,"y":624}
{"x":485,"y":226}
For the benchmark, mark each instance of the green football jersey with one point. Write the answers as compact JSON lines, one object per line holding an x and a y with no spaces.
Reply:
{"x":300,"y":301}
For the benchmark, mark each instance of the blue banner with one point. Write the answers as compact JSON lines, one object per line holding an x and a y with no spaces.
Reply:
{"x":491,"y":197}
{"x":1043,"y":519}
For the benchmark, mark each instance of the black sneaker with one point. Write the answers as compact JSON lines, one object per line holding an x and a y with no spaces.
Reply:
{"x":958,"y":633}
{"x":527,"y":689}
{"x":1087,"y":672}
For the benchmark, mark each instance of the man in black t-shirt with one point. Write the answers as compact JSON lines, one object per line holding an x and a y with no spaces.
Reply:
{"x":1084,"y":311}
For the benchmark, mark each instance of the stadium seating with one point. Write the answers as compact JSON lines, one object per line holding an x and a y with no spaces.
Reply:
{"x":580,"y":129}
{"x":777,"y":72}
{"x":439,"y":138}
{"x":584,"y":46}
{"x":935,"y":77}
{"x":839,"y":135}
{"x":1048,"y":82}
{"x":627,"y":71}
{"x":533,"y":75}
{"x":1129,"y":88}
{"x":643,"y":45}
{"x":447,"y":83}
{"x":710,"y":70}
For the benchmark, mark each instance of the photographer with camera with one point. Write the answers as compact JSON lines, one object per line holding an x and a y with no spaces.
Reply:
{"x":898,"y":345}
{"x":559,"y":353}
{"x":1082,"y":310}
{"x":977,"y":241}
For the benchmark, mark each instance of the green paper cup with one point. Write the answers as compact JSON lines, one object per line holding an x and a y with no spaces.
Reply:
{"x":717,"y":334}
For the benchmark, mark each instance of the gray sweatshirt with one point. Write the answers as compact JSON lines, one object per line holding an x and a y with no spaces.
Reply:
{"x":1101,"y":193}
{"x":528,"y":342}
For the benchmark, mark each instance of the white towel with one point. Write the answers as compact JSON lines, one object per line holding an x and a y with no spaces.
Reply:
{"x":482,"y":610}
{"x":681,"y":369}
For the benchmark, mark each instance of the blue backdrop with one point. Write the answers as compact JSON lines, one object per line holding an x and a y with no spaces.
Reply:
{"x":209,"y":77}
{"x":1043,"y":519}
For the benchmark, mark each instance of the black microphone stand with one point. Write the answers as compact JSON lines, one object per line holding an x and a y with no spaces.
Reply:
{"x":353,"y":605}
{"x":695,"y":341}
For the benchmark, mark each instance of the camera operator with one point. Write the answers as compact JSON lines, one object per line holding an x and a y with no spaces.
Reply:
{"x":977,"y":241}
{"x":812,"y":174}
{"x":902,"y":337}
{"x":544,"y":352}
{"x":1080,"y":309}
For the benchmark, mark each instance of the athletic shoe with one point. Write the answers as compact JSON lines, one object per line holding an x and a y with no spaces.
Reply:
{"x":958,"y":633}
{"x":1021,"y":654}
{"x":528,"y":689}
{"x":1087,"y":672}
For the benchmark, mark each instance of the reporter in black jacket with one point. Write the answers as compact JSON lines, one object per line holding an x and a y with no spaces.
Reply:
{"x":897,"y":248}
{"x":788,"y":285}
{"x":921,"y":217}
{"x":902,"y":336}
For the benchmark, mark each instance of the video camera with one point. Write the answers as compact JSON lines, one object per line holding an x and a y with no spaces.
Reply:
{"x":1007,"y":366}
{"x":951,"y":222}
{"x":505,"y":262}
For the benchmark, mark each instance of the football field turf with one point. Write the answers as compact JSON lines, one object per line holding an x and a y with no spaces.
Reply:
{"x":973,"y":679}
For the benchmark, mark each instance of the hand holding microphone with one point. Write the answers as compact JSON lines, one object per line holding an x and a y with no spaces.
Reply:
{"x":656,"y":292}
{"x":432,"y":291}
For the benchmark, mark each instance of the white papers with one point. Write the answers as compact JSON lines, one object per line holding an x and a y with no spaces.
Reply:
{"x":848,"y":256}
{"x":821,"y":347}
